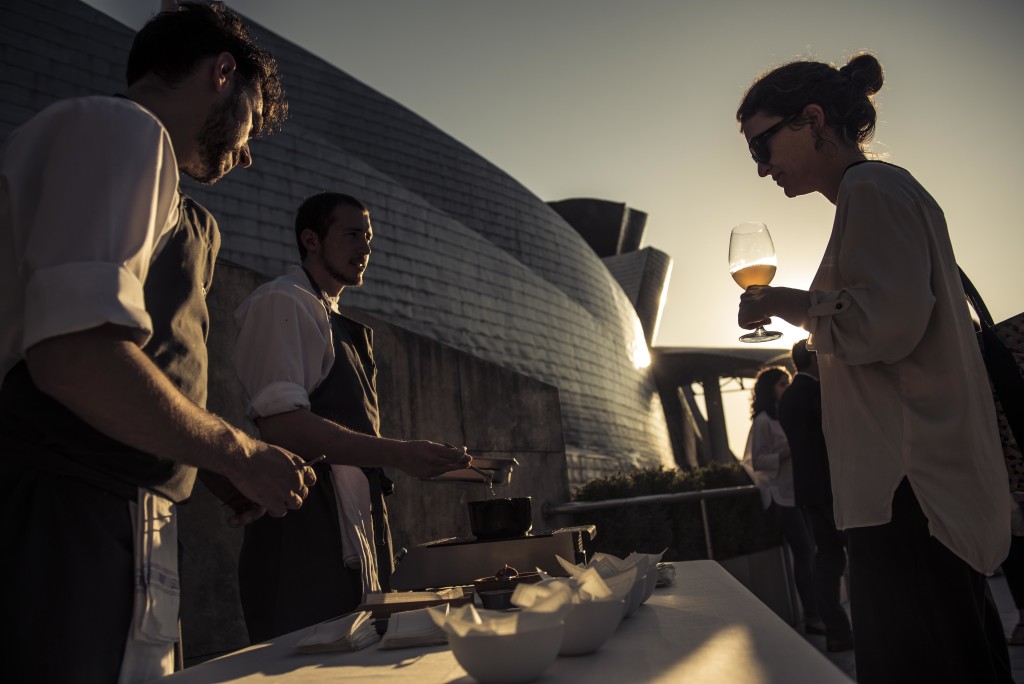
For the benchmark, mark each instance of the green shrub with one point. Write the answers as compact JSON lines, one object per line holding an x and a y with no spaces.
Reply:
{"x":738,"y":523}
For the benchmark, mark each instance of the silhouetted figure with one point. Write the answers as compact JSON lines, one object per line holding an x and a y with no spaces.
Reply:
{"x":917,"y":467}
{"x":311,"y":383}
{"x":1013,"y":572}
{"x":800,"y":417}
{"x":106,"y":266}
{"x":766,"y":459}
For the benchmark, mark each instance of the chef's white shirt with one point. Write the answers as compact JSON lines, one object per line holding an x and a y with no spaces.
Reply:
{"x":285,"y":346}
{"x":88,"y":192}
{"x":284,"y":350}
{"x":904,"y":389}
{"x":88,"y":196}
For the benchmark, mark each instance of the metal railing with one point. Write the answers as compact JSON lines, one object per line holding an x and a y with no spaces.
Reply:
{"x":550,"y":510}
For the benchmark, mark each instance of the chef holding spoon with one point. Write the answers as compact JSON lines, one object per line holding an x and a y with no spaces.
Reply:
{"x":310,"y":380}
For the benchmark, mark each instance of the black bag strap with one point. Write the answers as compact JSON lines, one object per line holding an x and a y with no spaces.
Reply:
{"x":999,"y":361}
{"x":975,"y":300}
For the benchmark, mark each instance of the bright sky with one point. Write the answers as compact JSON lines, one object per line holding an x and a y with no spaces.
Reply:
{"x":635,"y":102}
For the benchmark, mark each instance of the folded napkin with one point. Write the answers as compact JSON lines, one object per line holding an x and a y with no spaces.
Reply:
{"x":413,"y":628}
{"x":466,"y":619}
{"x":619,"y":583}
{"x":346,"y":633}
{"x":550,"y":593}
{"x":606,"y":562}
{"x":352,"y":495}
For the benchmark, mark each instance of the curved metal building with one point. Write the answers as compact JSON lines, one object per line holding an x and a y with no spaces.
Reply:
{"x":463,"y":253}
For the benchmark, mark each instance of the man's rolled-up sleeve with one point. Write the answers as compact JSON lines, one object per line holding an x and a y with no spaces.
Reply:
{"x":75,"y":297}
{"x":278,"y":353}
{"x":105,"y":200}
{"x":882,"y":311}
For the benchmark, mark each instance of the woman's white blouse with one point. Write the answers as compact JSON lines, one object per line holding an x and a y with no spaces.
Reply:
{"x":904,"y":389}
{"x":767,"y":461}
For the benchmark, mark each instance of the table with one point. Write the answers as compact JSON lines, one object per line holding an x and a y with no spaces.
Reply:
{"x":707,"y":627}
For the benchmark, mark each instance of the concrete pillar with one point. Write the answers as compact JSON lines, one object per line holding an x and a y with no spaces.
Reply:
{"x":717,"y":433}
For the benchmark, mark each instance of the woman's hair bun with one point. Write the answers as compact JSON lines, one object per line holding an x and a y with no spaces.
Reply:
{"x":865,"y":72}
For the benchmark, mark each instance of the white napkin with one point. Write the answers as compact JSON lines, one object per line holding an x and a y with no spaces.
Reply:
{"x":618,"y":582}
{"x":466,"y":619}
{"x":651,"y":559}
{"x":156,"y":569}
{"x":552,"y":592}
{"x":149,"y":650}
{"x":346,"y":633}
{"x":352,"y":494}
{"x":608,"y":564}
{"x":413,"y":628}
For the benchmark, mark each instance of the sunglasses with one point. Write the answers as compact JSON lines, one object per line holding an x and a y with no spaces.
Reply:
{"x":759,"y":151}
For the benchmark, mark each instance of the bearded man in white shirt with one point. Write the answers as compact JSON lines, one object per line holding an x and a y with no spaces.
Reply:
{"x":310,"y":377}
{"x":104,"y":272}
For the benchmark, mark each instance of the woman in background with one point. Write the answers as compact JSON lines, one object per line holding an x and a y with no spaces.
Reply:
{"x":767,"y":460}
{"x":917,"y":469}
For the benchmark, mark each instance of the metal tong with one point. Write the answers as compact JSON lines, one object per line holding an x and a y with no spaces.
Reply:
{"x":488,"y":477}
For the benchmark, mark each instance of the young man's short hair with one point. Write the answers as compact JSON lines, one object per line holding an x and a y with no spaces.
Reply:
{"x":315,"y":214}
{"x":802,"y":356}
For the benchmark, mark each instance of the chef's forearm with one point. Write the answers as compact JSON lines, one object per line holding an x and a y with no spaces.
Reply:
{"x":103,"y":377}
{"x":309,"y":435}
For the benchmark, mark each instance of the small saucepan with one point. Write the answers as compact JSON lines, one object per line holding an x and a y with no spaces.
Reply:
{"x":497,"y":518}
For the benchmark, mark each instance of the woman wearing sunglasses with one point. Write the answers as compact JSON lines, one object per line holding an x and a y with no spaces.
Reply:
{"x":917,"y":470}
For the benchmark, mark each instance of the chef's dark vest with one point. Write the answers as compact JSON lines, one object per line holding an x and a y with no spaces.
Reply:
{"x":291,"y":569}
{"x":39,"y":432}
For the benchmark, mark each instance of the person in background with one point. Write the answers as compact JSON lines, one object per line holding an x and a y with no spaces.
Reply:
{"x":310,"y":377}
{"x":918,"y":477}
{"x":766,"y":458}
{"x":1013,"y":572}
{"x":800,"y":418}
{"x":103,"y":320}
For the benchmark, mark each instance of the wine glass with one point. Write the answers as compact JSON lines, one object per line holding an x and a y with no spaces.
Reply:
{"x":752,"y":262}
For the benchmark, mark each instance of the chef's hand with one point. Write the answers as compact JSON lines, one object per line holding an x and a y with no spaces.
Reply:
{"x":243,"y":511}
{"x":272,"y":478}
{"x":424,"y":459}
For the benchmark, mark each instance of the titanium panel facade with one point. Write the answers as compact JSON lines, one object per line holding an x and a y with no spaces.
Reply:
{"x":463,"y":253}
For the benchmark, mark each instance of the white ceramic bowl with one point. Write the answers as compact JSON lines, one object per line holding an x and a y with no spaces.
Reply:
{"x":507,"y":658}
{"x":650,"y":581}
{"x":589,"y":624}
{"x":624,"y":585}
{"x":636,"y":594}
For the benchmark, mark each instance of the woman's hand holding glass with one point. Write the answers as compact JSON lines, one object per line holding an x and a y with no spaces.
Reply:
{"x":752,"y":263}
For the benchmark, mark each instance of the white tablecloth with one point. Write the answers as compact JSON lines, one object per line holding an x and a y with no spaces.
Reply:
{"x":707,"y":627}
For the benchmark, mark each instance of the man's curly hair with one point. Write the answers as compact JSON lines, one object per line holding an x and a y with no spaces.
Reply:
{"x":171,"y":44}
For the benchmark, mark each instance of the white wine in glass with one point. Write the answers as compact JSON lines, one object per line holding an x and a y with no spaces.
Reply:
{"x":752,"y":262}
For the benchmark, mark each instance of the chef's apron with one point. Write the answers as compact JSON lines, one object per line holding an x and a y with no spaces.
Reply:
{"x":68,"y":494}
{"x":291,"y":570}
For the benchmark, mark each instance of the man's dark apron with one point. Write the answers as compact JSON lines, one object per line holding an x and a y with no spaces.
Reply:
{"x":291,"y":569}
{"x":64,"y":486}
{"x":39,"y":432}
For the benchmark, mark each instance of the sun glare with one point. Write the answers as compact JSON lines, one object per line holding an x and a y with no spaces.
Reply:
{"x":639,"y":352}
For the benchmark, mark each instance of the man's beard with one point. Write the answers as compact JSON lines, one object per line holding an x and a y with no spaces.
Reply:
{"x":346,"y":281}
{"x":217,"y":140}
